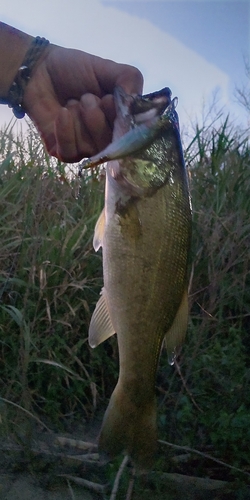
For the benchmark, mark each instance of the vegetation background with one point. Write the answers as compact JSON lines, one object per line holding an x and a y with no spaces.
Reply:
{"x":50,"y":279}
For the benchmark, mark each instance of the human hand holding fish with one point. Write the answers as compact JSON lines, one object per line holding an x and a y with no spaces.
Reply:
{"x":145,"y":232}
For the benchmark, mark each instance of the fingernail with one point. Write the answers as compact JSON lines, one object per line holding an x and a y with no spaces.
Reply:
{"x":89,"y":101}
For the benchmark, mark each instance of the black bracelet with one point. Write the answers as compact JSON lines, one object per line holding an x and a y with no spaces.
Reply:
{"x":16,"y":91}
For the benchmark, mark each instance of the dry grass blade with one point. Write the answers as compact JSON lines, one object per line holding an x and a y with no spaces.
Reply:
{"x":131,"y":486}
{"x":75,"y":443}
{"x":197,"y":484}
{"x":118,"y":478}
{"x":96,"y":487}
{"x":27,"y":412}
{"x":58,"y":365}
{"x":177,"y":366}
{"x":71,"y":490}
{"x":204,"y":455}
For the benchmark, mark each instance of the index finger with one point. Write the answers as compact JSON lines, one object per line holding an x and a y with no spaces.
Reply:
{"x":110,"y":74}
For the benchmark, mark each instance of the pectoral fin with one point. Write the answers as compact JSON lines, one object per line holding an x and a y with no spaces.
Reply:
{"x":176,"y":334}
{"x":99,"y":231}
{"x":100,"y":327}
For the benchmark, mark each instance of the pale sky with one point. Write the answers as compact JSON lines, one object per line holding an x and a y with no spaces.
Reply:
{"x":195,"y":48}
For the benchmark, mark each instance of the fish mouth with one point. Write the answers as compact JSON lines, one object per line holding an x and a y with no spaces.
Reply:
{"x":143,"y":109}
{"x":158,"y":100}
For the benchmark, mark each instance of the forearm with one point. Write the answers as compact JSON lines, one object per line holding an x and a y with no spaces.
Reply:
{"x":13,"y":47}
{"x":67,"y":93}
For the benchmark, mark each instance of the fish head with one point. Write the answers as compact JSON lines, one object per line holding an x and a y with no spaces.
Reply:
{"x":132,"y":110}
{"x":146,"y":132}
{"x":141,"y":121}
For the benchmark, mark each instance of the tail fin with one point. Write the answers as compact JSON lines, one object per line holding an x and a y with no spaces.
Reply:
{"x":130,"y":427}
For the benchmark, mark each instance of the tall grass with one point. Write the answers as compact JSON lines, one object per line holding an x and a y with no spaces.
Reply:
{"x":50,"y":279}
{"x":207,"y":401}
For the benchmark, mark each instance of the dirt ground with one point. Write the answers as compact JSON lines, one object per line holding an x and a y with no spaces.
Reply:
{"x":56,"y":467}
{"x":27,"y":487}
{"x":41,"y":467}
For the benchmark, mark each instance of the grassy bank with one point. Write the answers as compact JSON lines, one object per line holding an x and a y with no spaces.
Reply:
{"x":50,"y":279}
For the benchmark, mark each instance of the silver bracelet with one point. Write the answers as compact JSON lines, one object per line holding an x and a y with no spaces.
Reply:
{"x":16,"y":91}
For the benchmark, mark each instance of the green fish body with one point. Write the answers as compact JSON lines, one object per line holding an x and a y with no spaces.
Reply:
{"x":144,"y":231}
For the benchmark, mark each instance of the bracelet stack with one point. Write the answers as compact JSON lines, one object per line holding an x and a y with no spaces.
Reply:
{"x":16,"y":91}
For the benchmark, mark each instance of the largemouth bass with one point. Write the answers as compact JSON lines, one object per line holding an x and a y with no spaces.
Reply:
{"x":144,"y":231}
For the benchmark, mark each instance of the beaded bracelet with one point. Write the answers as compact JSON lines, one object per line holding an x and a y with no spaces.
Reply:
{"x":16,"y":91}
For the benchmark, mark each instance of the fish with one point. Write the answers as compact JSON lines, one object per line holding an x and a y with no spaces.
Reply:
{"x":145,"y":234}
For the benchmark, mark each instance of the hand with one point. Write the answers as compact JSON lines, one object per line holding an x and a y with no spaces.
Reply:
{"x":69,"y":98}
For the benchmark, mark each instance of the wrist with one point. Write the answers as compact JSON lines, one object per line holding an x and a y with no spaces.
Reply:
{"x":14,"y":45}
{"x":30,"y":50}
